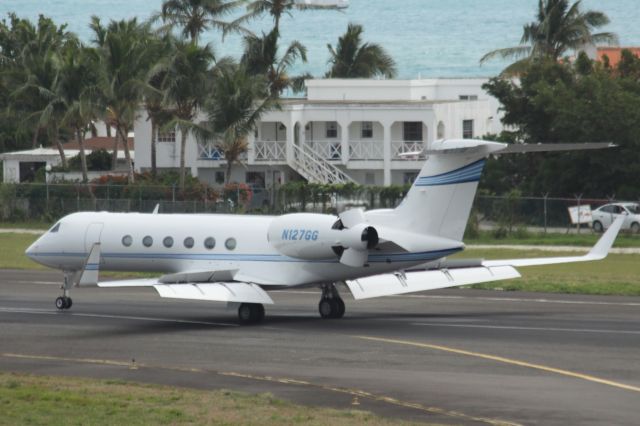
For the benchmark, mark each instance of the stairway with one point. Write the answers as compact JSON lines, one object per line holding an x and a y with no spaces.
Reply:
{"x":315,"y":168}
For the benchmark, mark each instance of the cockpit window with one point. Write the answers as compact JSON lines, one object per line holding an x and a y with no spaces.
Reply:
{"x":55,"y":228}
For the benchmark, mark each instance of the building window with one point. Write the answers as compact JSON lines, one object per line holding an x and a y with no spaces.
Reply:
{"x":127,"y":240}
{"x":369,"y":178}
{"x":332,"y":129}
{"x":230,"y":244}
{"x":188,"y":242}
{"x":467,"y":129}
{"x":409,"y":177}
{"x":367,"y":130}
{"x":219,"y":178}
{"x":468,"y":97}
{"x":147,"y":241}
{"x":412,"y":131}
{"x":166,"y":136}
{"x":167,"y":242}
{"x":209,"y":243}
{"x":255,"y":179}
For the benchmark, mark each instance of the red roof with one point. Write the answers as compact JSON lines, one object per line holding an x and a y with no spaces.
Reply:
{"x":615,"y":53}
{"x":101,"y":142}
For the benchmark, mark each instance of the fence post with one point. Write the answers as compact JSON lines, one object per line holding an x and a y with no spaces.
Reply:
{"x":579,"y":197}
{"x":546,"y":197}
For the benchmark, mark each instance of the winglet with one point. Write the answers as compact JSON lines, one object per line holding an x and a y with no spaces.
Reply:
{"x":604,"y":244}
{"x":156,"y":209}
{"x":91,"y":268}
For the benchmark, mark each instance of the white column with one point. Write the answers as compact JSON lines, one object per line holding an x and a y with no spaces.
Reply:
{"x":344,"y":142}
{"x":291,"y":137}
{"x":386,"y":152}
{"x":251,"y":148}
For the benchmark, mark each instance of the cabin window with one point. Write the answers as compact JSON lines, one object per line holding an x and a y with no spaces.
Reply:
{"x":147,"y":241}
{"x":188,"y":242}
{"x":168,"y":242}
{"x":127,"y":240}
{"x":210,"y":243}
{"x":230,"y":244}
{"x":55,"y":228}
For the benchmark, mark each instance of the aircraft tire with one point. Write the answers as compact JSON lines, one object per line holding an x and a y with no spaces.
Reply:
{"x":326,"y":308}
{"x":69,"y":303}
{"x":61,"y":303}
{"x":339,"y":308}
{"x":249,"y":313}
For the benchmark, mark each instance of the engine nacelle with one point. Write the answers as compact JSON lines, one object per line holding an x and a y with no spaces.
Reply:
{"x":312,"y":236}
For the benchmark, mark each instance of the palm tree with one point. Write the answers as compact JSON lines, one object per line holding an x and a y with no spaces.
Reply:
{"x":31,"y":75}
{"x":185,"y":87}
{"x":559,"y":27}
{"x":354,"y":59}
{"x":261,"y":58}
{"x":235,"y":106}
{"x":277,"y":8}
{"x":126,"y":55}
{"x":196,"y":16}
{"x":77,"y":80}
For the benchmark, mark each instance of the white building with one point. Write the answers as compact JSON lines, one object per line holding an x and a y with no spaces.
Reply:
{"x":344,"y":130}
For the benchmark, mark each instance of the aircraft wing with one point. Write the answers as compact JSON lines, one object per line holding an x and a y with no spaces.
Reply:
{"x":221,"y":285}
{"x":464,"y":271}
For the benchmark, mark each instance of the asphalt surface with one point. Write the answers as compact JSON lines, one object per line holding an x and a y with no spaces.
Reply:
{"x":450,"y":357}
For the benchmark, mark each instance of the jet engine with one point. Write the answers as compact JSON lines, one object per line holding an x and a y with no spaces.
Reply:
{"x":311,"y":236}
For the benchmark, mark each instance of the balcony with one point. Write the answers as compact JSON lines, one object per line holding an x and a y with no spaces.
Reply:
{"x":398,"y":148}
{"x":270,"y":151}
{"x":366,"y":149}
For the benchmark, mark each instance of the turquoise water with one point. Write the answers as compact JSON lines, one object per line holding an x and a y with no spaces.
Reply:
{"x":427,"y":38}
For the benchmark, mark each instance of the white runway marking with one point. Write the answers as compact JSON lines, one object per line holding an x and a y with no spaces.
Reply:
{"x":507,"y":327}
{"x":489,"y":299}
{"x":166,"y":320}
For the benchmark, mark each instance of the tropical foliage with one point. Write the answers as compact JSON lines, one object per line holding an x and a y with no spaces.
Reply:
{"x":582,"y":102}
{"x":352,"y":58}
{"x":560,"y":27}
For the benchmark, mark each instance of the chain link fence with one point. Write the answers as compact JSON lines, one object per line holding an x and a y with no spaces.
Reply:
{"x":49,"y":202}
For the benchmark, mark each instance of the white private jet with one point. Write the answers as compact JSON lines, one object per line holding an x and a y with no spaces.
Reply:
{"x":238,"y":258}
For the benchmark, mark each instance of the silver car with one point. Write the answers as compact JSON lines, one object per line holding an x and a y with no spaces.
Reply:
{"x":603,"y":216}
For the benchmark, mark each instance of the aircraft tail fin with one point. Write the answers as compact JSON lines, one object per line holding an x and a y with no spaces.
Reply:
{"x":439,"y":202}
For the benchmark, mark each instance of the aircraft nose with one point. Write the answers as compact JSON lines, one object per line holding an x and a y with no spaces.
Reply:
{"x":32,"y":250}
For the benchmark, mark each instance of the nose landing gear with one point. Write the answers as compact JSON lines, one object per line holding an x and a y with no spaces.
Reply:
{"x":64,"y":302}
{"x":331,"y":305}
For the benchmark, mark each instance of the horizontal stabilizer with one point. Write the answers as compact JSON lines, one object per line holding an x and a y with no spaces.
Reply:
{"x":519,"y":148}
{"x":598,"y":252}
{"x":410,"y":282}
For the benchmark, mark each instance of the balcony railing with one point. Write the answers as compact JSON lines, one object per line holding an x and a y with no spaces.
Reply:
{"x":209,"y":151}
{"x":270,"y":151}
{"x":366,"y":149}
{"x":403,"y":147}
{"x":330,"y":149}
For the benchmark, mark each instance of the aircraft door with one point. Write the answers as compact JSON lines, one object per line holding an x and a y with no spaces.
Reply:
{"x":93,"y":234}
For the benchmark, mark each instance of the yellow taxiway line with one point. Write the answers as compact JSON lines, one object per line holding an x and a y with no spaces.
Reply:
{"x":355,"y":393}
{"x":505,"y":361}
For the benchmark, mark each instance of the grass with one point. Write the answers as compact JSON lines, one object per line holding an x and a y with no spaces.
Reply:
{"x":36,"y":400}
{"x":585,"y":239}
{"x":618,"y":274}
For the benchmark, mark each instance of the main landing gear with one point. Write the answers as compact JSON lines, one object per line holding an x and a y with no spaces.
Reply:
{"x":250,"y":313}
{"x":64,"y":302}
{"x":331,"y":304}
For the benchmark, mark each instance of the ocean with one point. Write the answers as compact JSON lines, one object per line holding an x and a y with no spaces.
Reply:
{"x":427,"y":38}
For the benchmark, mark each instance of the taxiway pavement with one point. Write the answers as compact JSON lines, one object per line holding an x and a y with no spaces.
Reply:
{"x":452,"y":357}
